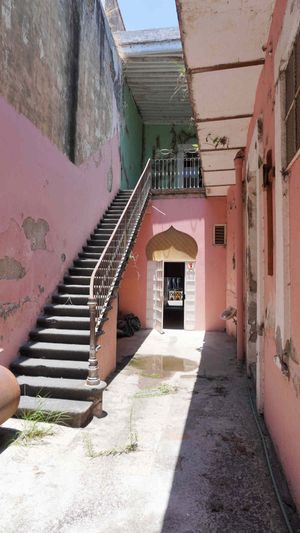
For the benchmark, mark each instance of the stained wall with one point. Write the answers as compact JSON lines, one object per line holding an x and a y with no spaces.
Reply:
{"x":231,"y":295}
{"x":279,"y":376}
{"x":60,"y":98}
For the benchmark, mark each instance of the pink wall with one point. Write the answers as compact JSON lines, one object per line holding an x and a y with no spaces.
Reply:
{"x":38,"y":181}
{"x":107,"y":355}
{"x":281,"y":395}
{"x":196,"y":217}
{"x":231,"y":258}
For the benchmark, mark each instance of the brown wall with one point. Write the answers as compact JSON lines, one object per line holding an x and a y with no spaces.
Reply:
{"x":59,"y":68}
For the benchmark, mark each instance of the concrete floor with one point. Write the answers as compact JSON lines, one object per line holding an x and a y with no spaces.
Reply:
{"x":198,"y":466}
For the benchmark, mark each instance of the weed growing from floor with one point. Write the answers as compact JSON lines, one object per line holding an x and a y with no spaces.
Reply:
{"x":130,"y":447}
{"x":32,"y":429}
{"x":132,"y":443}
{"x":161,"y":390}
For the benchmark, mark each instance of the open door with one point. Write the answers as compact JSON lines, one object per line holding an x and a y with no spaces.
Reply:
{"x":190,"y":296}
{"x":158,"y":296}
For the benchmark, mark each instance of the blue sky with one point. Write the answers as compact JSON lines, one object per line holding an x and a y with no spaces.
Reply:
{"x":146,"y":14}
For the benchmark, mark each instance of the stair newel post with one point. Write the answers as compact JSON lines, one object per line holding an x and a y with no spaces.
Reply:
{"x":93,"y":375}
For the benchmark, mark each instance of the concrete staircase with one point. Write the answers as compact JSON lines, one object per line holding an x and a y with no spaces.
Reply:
{"x":52,"y":365}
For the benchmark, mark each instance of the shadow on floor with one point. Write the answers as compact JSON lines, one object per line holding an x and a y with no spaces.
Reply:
{"x":221,"y":482}
{"x":126,"y":349}
{"x":7,"y":437}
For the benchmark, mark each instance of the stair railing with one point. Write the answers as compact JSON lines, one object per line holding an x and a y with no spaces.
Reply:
{"x":108,"y":269}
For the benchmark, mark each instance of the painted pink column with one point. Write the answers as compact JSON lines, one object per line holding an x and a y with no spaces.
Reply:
{"x":238,"y":165}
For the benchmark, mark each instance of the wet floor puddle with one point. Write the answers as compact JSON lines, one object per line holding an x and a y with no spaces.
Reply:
{"x":161,"y":366}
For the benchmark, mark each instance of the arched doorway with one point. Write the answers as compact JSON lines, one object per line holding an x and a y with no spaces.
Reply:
{"x":171,"y":301}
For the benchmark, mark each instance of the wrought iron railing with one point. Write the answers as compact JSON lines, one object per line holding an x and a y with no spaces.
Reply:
{"x":176,"y":173}
{"x":108,"y":269}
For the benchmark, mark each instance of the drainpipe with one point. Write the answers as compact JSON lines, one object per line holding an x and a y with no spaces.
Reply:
{"x":238,"y":165}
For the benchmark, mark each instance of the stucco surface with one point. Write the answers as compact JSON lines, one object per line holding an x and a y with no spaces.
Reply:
{"x":198,"y":465}
{"x":195,"y":217}
{"x":58,"y":66}
{"x":281,"y":395}
{"x":48,"y":209}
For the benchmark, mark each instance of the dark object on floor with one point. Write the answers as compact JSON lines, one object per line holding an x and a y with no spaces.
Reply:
{"x":128,"y":325}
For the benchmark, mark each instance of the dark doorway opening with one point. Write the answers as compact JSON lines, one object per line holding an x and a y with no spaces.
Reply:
{"x":174,"y":295}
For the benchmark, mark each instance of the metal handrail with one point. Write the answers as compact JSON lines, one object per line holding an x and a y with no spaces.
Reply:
{"x":176,"y":173}
{"x":108,"y":268}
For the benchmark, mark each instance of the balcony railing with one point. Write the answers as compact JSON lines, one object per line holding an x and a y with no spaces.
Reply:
{"x":176,"y":173}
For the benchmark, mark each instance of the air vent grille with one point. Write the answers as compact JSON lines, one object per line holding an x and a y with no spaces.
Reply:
{"x":219,"y":237}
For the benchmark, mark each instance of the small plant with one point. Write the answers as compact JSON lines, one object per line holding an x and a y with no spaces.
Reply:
{"x":161,"y":390}
{"x":130,"y":447}
{"x":32,"y":420}
{"x":181,"y":88}
{"x":217,"y":141}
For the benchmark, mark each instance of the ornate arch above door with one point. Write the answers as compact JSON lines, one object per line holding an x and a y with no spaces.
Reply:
{"x":172,"y":245}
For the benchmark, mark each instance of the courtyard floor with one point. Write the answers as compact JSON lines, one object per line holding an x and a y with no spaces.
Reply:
{"x":177,"y":452}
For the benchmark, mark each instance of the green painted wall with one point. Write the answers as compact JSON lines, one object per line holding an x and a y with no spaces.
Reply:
{"x":131,"y":141}
{"x":139,"y":141}
{"x":157,"y":136}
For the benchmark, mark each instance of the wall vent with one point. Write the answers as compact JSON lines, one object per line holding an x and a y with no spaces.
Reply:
{"x":219,"y":236}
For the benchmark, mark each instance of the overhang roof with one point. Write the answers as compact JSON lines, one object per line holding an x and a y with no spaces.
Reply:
{"x":155,"y":72}
{"x":223,"y":47}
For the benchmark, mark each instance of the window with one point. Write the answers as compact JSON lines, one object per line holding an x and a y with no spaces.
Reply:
{"x":292,"y":102}
{"x":219,"y":236}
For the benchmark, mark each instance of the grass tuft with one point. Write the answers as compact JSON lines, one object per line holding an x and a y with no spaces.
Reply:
{"x":131,"y":446}
{"x":161,"y":390}
{"x":32,"y":430}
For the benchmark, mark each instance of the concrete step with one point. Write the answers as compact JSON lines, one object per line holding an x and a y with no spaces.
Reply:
{"x":97,"y":241}
{"x":115,"y":210}
{"x":67,"y":310}
{"x":121,"y":203}
{"x":65,"y":388}
{"x":90,"y":255}
{"x":109,"y":217}
{"x":64,"y":322}
{"x":78,"y":336}
{"x":74,"y":413}
{"x":89,"y":263}
{"x":59,"y":368}
{"x":70,"y":299}
{"x":100,"y":236}
{"x":92,"y":248}
{"x":107,"y":225}
{"x":77,"y":280}
{"x":73,"y":289}
{"x":56,"y":350}
{"x":102,"y":232}
{"x":78,"y":271}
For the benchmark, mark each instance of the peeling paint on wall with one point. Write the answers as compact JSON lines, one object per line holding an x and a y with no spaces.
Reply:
{"x":252,"y":310}
{"x":250,"y":212}
{"x":36,"y":232}
{"x":8,"y":309}
{"x":251,"y":280}
{"x":109,"y":178}
{"x":10,"y":268}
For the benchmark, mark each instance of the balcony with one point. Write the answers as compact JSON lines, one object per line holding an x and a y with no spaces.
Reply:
{"x":176,"y":174}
